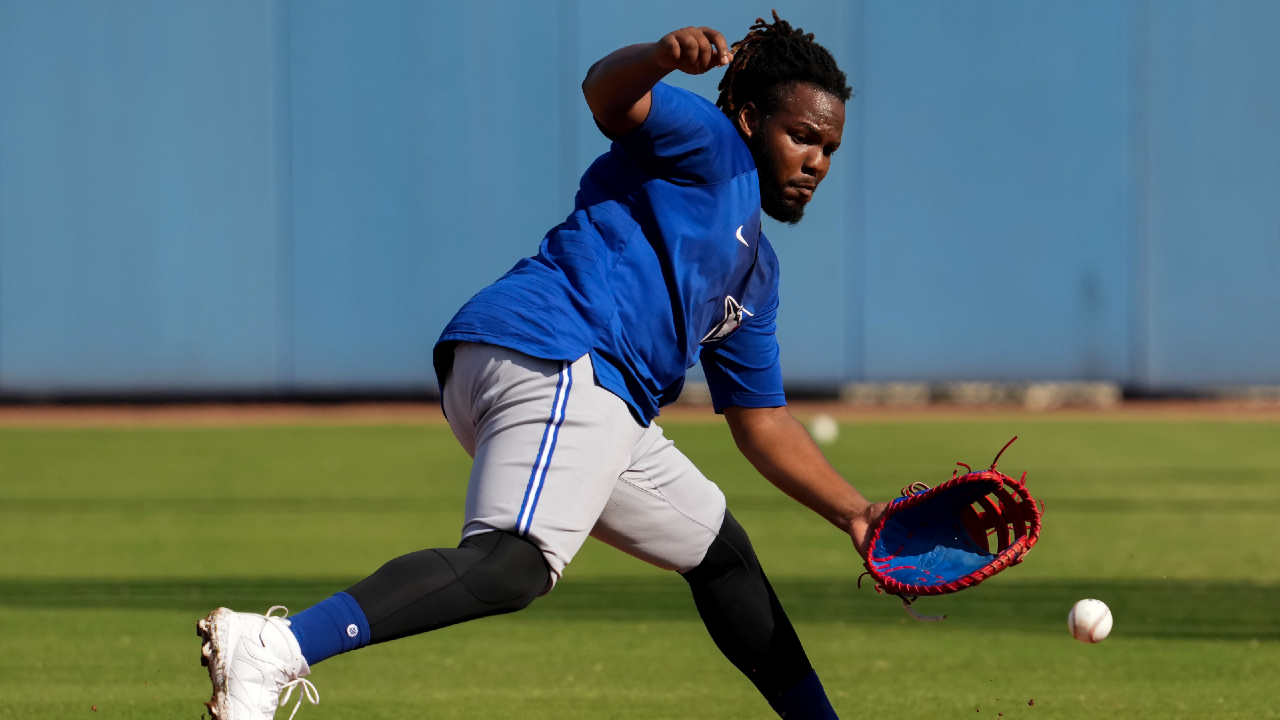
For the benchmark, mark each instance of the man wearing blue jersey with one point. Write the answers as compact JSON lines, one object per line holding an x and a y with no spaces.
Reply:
{"x":552,"y":377}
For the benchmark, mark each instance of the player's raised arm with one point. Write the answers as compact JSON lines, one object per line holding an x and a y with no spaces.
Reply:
{"x":617,"y":86}
{"x":782,"y":450}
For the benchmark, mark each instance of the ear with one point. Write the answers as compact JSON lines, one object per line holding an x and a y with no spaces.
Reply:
{"x":749,"y":119}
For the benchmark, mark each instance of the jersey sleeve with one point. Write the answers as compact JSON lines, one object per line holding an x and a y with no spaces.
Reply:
{"x":686,"y":140}
{"x":744,"y":370}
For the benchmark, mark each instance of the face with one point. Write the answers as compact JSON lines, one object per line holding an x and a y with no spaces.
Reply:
{"x":792,"y":145}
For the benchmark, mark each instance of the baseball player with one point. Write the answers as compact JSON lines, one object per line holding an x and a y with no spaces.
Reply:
{"x":552,"y":376}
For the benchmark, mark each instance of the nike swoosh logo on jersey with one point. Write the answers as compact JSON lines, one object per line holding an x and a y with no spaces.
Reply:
{"x":742,"y":239}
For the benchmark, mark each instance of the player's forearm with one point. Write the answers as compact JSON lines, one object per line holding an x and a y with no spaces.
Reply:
{"x":617,"y":87}
{"x":780,"y":449}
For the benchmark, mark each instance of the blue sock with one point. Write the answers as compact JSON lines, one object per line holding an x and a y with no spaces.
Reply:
{"x":806,"y":700}
{"x":330,"y":627}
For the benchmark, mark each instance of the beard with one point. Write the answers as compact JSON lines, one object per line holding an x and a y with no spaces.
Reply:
{"x":772,"y":201}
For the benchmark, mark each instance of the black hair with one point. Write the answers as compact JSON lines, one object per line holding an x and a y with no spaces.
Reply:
{"x":774,"y":54}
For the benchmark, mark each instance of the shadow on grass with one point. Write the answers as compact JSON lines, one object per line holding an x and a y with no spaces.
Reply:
{"x":141,"y":506}
{"x":1158,"y":608}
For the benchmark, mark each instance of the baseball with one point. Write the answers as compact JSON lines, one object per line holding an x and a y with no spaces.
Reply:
{"x":1089,"y":621}
{"x":824,"y":429}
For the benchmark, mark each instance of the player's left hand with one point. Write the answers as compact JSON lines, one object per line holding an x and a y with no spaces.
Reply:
{"x":860,"y":527}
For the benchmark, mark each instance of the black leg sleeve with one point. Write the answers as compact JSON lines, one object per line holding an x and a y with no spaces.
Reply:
{"x":488,"y":574}
{"x":743,"y":615}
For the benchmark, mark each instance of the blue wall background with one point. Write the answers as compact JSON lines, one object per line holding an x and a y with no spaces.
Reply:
{"x":277,"y":197}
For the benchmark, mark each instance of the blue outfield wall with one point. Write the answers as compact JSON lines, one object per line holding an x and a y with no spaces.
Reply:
{"x":276,"y":197}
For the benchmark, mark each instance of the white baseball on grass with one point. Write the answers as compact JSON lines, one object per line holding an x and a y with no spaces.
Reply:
{"x":824,"y":429}
{"x":1089,"y":621}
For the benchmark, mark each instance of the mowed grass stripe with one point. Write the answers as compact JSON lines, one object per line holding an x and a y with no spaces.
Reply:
{"x":1149,"y":608}
{"x":115,"y":539}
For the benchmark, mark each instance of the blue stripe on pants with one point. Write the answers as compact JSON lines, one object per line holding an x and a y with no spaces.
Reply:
{"x":541,"y":465}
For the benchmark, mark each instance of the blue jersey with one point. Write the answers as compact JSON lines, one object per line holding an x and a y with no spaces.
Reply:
{"x":661,"y":262}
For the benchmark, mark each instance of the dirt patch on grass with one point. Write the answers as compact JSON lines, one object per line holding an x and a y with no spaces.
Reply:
{"x":1142,"y":410}
{"x":220,"y":415}
{"x":428,"y":413}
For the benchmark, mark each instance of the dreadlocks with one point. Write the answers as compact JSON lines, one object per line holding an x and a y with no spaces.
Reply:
{"x":773,"y":54}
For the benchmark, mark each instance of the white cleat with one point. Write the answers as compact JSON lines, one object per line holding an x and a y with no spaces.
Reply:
{"x":252,"y":659}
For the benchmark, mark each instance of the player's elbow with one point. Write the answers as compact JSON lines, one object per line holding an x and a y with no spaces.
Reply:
{"x":591,"y":90}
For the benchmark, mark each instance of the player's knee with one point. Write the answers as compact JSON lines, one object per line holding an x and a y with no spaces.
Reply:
{"x":729,"y":553}
{"x":507,"y":573}
{"x":734,"y":599}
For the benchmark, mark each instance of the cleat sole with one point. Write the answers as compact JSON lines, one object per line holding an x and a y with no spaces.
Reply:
{"x":211,"y":656}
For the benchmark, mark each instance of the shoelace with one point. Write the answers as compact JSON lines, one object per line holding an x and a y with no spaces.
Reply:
{"x":309,"y":692}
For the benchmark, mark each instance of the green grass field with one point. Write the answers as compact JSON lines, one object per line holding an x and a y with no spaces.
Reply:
{"x":114,"y":541}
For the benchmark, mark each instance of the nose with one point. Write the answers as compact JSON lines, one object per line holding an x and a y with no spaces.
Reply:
{"x":816,"y":163}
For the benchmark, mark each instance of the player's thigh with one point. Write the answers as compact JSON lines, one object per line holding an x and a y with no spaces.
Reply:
{"x":549,"y":445}
{"x":663,"y":510}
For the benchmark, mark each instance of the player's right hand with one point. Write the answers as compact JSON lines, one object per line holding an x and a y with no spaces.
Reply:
{"x":692,"y":50}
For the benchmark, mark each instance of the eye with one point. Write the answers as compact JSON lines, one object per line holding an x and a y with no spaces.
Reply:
{"x":798,"y":139}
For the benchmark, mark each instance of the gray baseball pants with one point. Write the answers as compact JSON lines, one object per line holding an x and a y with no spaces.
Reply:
{"x":558,"y":458}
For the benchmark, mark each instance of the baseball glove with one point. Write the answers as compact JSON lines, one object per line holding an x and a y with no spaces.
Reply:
{"x":934,"y":541}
